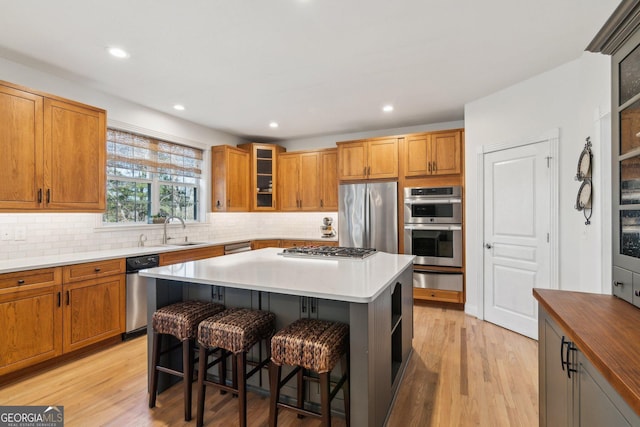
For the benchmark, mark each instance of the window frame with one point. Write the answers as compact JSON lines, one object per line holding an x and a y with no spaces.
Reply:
{"x":155,"y":183}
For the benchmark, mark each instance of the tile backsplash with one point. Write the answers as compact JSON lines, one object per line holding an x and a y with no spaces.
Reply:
{"x":40,"y":234}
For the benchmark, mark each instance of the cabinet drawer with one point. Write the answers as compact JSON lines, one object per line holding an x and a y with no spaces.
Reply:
{"x":191,"y":254}
{"x":437,"y":295}
{"x":623,"y":284}
{"x":46,"y":276}
{"x":260,"y":244}
{"x":295,"y":243}
{"x":93,"y":270}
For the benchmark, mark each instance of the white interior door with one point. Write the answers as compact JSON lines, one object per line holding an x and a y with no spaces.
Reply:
{"x":517,"y":212}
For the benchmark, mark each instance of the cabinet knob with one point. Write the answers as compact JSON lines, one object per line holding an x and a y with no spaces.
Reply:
{"x":488,"y":245}
{"x":20,"y":282}
{"x":97,"y":270}
{"x":616,"y":283}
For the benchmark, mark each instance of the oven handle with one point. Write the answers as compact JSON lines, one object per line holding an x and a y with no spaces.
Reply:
{"x":431,"y":201}
{"x":432,"y":227}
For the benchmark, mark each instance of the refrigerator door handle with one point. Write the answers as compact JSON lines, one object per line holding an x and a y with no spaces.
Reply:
{"x":367,"y":217}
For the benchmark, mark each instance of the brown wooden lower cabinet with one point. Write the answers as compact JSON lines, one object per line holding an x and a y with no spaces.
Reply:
{"x":186,"y":255}
{"x":437,"y":295}
{"x":45,"y":316}
{"x":288,"y":243}
{"x":94,"y":302}
{"x":292,"y":243}
{"x":261,"y":244}
{"x":93,"y":311}
{"x":31,"y":329}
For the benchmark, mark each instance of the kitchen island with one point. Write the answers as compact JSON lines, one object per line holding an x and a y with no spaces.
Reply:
{"x":372,"y":295}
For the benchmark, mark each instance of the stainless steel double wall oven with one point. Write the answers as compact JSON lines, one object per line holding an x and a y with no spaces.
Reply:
{"x":433,"y":233}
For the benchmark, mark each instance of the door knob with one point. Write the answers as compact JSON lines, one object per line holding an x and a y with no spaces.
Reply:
{"x":488,"y":246}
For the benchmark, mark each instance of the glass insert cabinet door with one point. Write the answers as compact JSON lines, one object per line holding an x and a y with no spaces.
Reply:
{"x":626,"y":157}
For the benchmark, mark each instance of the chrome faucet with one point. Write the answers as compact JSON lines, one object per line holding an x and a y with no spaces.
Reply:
{"x":169,"y":218}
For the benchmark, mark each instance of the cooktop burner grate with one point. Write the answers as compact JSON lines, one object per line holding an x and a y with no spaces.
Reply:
{"x":327,"y":252}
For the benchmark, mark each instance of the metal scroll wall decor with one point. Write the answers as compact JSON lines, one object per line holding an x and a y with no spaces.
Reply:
{"x":583,"y":199}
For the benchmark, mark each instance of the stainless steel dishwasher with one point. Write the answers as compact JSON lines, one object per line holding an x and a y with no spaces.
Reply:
{"x":236,"y":248}
{"x":136,"y":319}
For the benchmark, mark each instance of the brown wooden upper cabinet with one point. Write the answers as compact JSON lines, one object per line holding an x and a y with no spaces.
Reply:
{"x":230,"y":179}
{"x":437,"y":153}
{"x":368,"y":159}
{"x":53,"y":152}
{"x":307,"y":180}
{"x":263,"y":166}
{"x":329,"y":180}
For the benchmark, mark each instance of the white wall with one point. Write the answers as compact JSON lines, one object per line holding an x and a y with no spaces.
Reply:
{"x":574,"y":98}
{"x":329,"y":141}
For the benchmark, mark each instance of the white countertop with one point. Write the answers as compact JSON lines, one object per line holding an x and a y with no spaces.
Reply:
{"x":351,"y":280}
{"x":32,"y":263}
{"x":11,"y":265}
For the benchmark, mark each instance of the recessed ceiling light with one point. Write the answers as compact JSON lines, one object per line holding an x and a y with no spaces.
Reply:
{"x":387,"y":108}
{"x":117,"y":52}
{"x":178,"y":107}
{"x":273,"y":125}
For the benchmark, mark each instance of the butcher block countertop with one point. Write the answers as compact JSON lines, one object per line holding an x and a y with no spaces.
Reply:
{"x":606,"y":329}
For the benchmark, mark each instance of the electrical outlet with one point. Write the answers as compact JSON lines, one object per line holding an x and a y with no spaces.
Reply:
{"x":20,"y":233}
{"x":6,"y":234}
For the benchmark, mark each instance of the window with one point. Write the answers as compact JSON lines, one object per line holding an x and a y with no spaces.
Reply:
{"x":148,"y":177}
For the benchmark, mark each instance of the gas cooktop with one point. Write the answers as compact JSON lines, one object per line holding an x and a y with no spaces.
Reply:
{"x":327,"y":252}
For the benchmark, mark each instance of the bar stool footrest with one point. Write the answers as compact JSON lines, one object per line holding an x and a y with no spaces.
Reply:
{"x":299,"y":411}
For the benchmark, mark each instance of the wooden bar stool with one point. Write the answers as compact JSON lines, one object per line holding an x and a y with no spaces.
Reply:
{"x":315,"y":345}
{"x":181,"y":321}
{"x":234,"y":331}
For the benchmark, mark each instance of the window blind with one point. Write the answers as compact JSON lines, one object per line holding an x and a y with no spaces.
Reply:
{"x":138,"y":156}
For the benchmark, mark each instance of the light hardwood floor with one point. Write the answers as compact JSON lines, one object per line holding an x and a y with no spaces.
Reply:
{"x":463,"y":372}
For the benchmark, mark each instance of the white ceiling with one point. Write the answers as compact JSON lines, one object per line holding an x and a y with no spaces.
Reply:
{"x":314,"y":66}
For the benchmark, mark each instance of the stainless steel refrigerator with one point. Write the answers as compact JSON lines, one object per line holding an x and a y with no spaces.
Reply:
{"x":368,"y":216}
